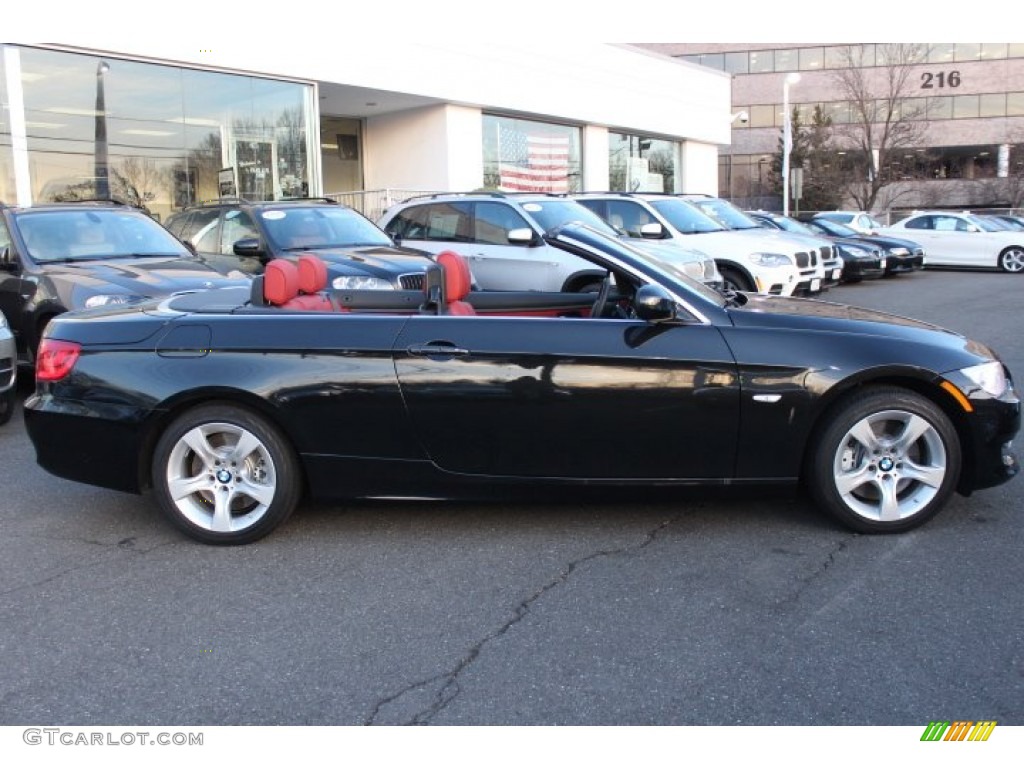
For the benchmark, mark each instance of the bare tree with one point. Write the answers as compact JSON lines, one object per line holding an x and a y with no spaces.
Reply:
{"x":136,"y":181}
{"x":883,"y":122}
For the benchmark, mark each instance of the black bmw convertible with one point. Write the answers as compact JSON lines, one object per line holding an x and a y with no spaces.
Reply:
{"x":231,"y":405}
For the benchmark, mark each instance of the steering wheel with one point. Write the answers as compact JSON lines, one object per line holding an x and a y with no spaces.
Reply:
{"x":602,"y":297}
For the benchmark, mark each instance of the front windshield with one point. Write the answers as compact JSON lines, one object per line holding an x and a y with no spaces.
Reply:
{"x":985,"y":225}
{"x":685,"y":218}
{"x":327,"y":226}
{"x":726,"y":214}
{"x":90,"y":234}
{"x":834,"y":228}
{"x":554,"y":213}
{"x":603,"y":249}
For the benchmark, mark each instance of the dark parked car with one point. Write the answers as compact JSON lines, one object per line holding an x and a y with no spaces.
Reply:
{"x":901,"y":255}
{"x":239,"y":234}
{"x":56,"y":257}
{"x":232,"y":405}
{"x":860,"y":260}
{"x":8,"y":371}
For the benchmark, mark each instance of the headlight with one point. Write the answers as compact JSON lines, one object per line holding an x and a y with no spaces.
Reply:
{"x":3,"y":320}
{"x":106,"y":299}
{"x":854,"y":252}
{"x":989,"y":377}
{"x":361,"y":283}
{"x":772,"y":259}
{"x":899,"y":252}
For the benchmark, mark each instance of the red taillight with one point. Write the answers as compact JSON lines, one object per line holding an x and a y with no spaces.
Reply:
{"x":55,"y":359}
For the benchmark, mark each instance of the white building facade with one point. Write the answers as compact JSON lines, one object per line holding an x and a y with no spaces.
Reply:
{"x":157,"y":128}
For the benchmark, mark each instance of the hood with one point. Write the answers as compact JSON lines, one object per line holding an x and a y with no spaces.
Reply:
{"x":788,"y":312}
{"x":140,"y":277}
{"x":887,"y":241}
{"x":376,"y":260}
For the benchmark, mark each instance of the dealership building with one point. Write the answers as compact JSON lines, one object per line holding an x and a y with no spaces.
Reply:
{"x":970,"y":97}
{"x":366,"y":124}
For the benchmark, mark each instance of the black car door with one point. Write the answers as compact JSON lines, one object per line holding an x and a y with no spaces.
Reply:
{"x":570,"y":397}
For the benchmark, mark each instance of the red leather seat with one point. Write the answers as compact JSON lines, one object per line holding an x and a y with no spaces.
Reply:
{"x":280,"y":282}
{"x":312,"y":285}
{"x":458,"y":281}
{"x":283,"y":281}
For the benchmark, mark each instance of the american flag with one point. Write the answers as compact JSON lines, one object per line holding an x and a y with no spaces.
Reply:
{"x":537,"y":163}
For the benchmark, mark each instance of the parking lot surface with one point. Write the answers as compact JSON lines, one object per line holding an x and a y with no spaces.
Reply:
{"x":711,"y":609}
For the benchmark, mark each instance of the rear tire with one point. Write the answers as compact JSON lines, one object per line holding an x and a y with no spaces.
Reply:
{"x":225,"y":475}
{"x":886,"y":460}
{"x":8,"y":402}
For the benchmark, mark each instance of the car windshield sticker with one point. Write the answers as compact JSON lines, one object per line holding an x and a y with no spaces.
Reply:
{"x":273,"y":215}
{"x":532,"y":207}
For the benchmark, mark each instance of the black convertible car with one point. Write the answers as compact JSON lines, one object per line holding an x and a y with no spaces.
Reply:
{"x":231,"y":405}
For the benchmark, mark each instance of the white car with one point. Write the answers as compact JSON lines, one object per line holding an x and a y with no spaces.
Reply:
{"x":962,"y":240}
{"x":858,"y":221}
{"x":753,"y":261}
{"x":501,"y":236}
{"x":8,"y":371}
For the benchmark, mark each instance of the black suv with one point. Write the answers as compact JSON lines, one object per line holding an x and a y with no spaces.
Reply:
{"x":56,"y":257}
{"x":241,"y":234}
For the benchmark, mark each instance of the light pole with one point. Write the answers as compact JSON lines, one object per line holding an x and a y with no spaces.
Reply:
{"x":787,"y":138}
{"x":101,"y":171}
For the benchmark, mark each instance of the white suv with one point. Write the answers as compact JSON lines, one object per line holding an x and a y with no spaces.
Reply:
{"x":755,"y":260}
{"x":502,"y":237}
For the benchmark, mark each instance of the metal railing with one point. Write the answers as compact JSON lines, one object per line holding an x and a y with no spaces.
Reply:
{"x":373,"y":202}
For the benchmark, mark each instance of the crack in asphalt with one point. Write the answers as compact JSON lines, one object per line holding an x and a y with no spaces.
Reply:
{"x":449,"y":680}
{"x":125,"y":545}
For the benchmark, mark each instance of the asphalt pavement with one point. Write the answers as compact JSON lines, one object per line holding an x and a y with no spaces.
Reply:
{"x":713,"y":609}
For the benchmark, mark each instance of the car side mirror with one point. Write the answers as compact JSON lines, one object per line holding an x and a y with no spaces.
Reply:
{"x":7,"y":264}
{"x":654,"y":304}
{"x":652,"y":231}
{"x":521,"y":236}
{"x":249,"y":246}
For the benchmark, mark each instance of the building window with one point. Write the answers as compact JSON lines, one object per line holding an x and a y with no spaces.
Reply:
{"x":942,"y":53}
{"x":812,"y":58}
{"x":156,"y":136}
{"x":786,"y":60}
{"x":1014,"y":104}
{"x":530,"y":156}
{"x":642,"y":164}
{"x":762,"y":61}
{"x":737,"y":63}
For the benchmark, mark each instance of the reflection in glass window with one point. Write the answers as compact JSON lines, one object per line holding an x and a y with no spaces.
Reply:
{"x":786,"y":60}
{"x":1015,"y":104}
{"x":992,"y":105}
{"x":737,"y":63}
{"x":762,"y":115}
{"x":1015,"y":50}
{"x":530,"y":156}
{"x":713,"y":60}
{"x":642,"y":164}
{"x":965,"y":106}
{"x":993,"y":50}
{"x":762,"y":61}
{"x":812,"y":58}
{"x":941,"y":53}
{"x":838,"y":111}
{"x":940,"y":108}
{"x":968,"y":51}
{"x":156,"y":136}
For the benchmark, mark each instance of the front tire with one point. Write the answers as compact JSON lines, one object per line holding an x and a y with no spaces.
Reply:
{"x":225,"y":475}
{"x":734,"y":280}
{"x":1012,"y":260}
{"x":887,"y":460}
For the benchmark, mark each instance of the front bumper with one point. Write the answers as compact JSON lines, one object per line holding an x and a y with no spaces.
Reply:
{"x":989,"y":457}
{"x":8,"y":360}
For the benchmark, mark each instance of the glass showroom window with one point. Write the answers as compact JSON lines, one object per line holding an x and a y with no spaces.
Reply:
{"x":157,"y":136}
{"x":530,"y":156}
{"x":641,"y":163}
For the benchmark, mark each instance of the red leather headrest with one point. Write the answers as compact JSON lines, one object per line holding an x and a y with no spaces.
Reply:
{"x":280,"y":282}
{"x":312,"y":274}
{"x":458,"y":280}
